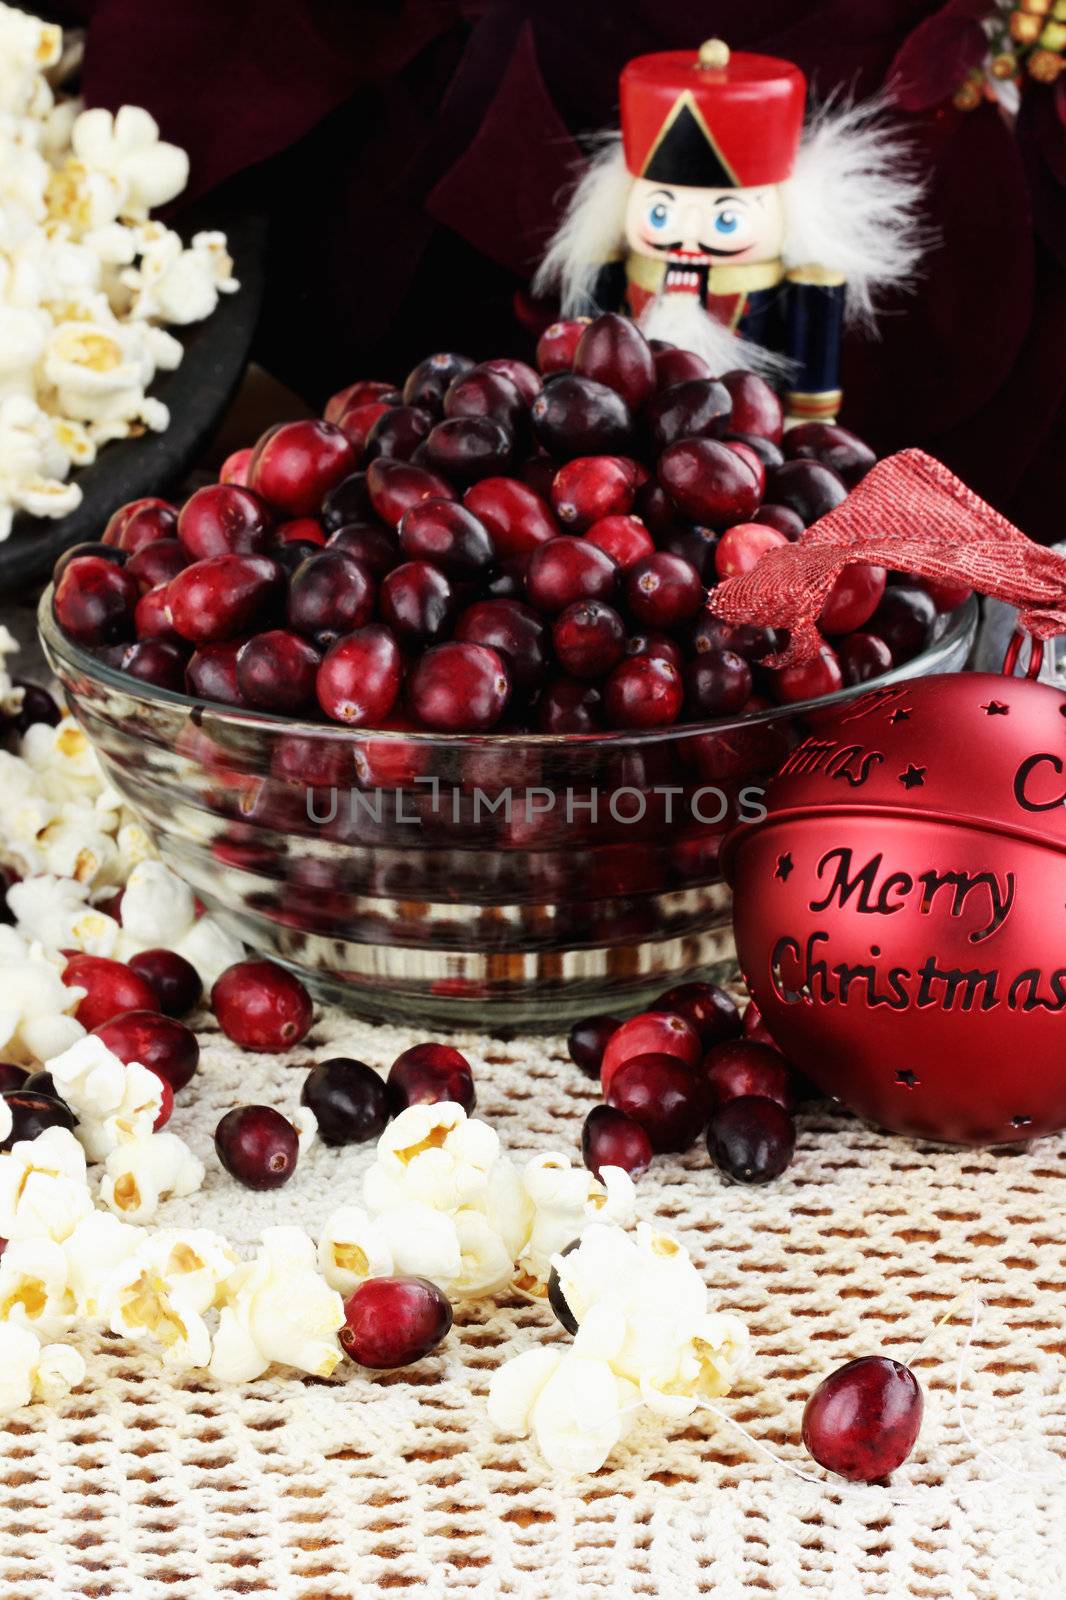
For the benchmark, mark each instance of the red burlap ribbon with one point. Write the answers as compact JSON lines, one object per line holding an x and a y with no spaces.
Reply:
{"x":909,"y":513}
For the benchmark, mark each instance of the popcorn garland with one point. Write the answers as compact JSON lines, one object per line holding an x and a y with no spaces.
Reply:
{"x":87,"y":280}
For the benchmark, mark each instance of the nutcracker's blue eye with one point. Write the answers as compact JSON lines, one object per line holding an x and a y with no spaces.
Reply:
{"x":658,"y":215}
{"x":726,"y":222}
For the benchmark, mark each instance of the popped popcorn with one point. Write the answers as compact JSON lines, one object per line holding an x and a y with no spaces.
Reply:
{"x":140,"y":1173}
{"x":44,"y":1192}
{"x":34,"y":1288}
{"x":278,"y":1308}
{"x":116,"y":1103}
{"x":161,"y":1290}
{"x":30,"y":1370}
{"x":98,"y":1245}
{"x":565,"y":1200}
{"x":433,"y":1155}
{"x":35,"y":1004}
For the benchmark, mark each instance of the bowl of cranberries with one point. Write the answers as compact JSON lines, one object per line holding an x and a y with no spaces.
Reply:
{"x":423,"y":697}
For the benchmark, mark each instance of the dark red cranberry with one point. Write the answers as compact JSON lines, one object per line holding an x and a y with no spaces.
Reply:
{"x":625,"y":539}
{"x":261,"y":1006}
{"x":863,"y":1420}
{"x":295,"y":466}
{"x":806,"y":487}
{"x":558,"y":343}
{"x":906,"y":620}
{"x":151,"y":617}
{"x":396,"y":486}
{"x":590,"y":488}
{"x":587,"y":1042}
{"x":449,"y":536}
{"x":863,"y":656}
{"x":223,"y":596}
{"x":330,"y":593}
{"x":360,"y":676}
{"x":664,"y":1096}
{"x":740,"y":1067}
{"x":157,"y":562}
{"x":708,"y":482}
{"x":693,"y":544}
{"x":613,"y":351}
{"x":427,"y":1074}
{"x":782,"y":518}
{"x":94,"y":601}
{"x":643,"y":692}
{"x":808,"y":680}
{"x":853,"y":599}
{"x":12,"y":1077}
{"x":223,"y":519}
{"x":257,"y":1146}
{"x":360,"y":393}
{"x":89,"y":547}
{"x":376,"y":548}
{"x":112,"y":988}
{"x":610,"y":1138}
{"x":751,"y":1139}
{"x":459,"y":688}
{"x":674,"y":366}
{"x":525,"y":380}
{"x":663,"y":1033}
{"x":756,"y":407}
{"x":663,"y":591}
{"x":162,"y":1044}
{"x":945,"y":596}
{"x":357,"y":423}
{"x":741,"y":548}
{"x":517,"y":518}
{"x":751,"y":458}
{"x":699,"y":408}
{"x":481,"y":393}
{"x":514,"y":631}
{"x":417,"y":603}
{"x":33,"y":1112}
{"x":349,"y":1100}
{"x":589,"y":639}
{"x":174,"y":981}
{"x":756,"y":451}
{"x":392,"y":1322}
{"x":848,"y":455}
{"x":717,"y":683}
{"x":710,"y":633}
{"x":276,"y":671}
{"x":211,"y":673}
{"x":348,"y":502}
{"x":711,"y":1011}
{"x":141,"y":522}
{"x":569,"y":706}
{"x":467,"y":449}
{"x":568,"y":569}
{"x":156,"y":661}
{"x":659,"y":645}
{"x":397,"y":434}
{"x":427,"y":384}
{"x":575,"y":416}
{"x":556,"y":1298}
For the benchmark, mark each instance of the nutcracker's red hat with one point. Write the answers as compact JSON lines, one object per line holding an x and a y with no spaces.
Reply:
{"x":711,"y":119}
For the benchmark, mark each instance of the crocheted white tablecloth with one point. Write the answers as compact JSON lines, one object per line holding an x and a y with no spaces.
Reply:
{"x":366,"y":1487}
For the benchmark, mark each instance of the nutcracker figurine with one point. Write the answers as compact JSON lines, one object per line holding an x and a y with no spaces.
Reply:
{"x":724,"y":225}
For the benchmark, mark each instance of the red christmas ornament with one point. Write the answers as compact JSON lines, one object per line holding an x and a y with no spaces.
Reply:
{"x":900,"y":911}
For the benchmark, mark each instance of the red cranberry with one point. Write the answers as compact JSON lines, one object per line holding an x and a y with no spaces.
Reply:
{"x":906,"y":620}
{"x":166,"y":1105}
{"x":569,"y":706}
{"x":111,"y":989}
{"x":88,"y":547}
{"x":360,"y":676}
{"x":612,"y":1139}
{"x":140,"y":522}
{"x":396,"y":486}
{"x":525,"y":380}
{"x":753,"y":1026}
{"x":806,"y":487}
{"x":751,"y":1139}
{"x":664,"y":1096}
{"x":741,"y":1067}
{"x":853,"y":599}
{"x":662,"y":591}
{"x":699,"y":408}
{"x":374,"y":547}
{"x":674,"y":366}
{"x":663,"y":1033}
{"x":848,"y":455}
{"x":568,"y":569}
{"x":658,"y":645}
{"x":740,"y":549}
{"x":756,"y":407}
{"x":391,"y":1322}
{"x":517,"y":519}
{"x":589,"y":639}
{"x":162,"y":1044}
{"x":459,"y":688}
{"x":94,"y":601}
{"x":222,"y":519}
{"x":809,"y":680}
{"x":863,"y":1420}
{"x":330,"y":593}
{"x":450,"y":536}
{"x":359,"y":394}
{"x":156,"y":661}
{"x":212,"y":673}
{"x":223,"y":596}
{"x":558,"y":343}
{"x":466,"y":449}
{"x":416,"y":602}
{"x":32,"y":1112}
{"x":695,"y":545}
{"x":625,"y":539}
{"x":235,"y":467}
{"x":717,"y":683}
{"x":710,"y":633}
{"x":349,"y":1100}
{"x":428,"y":382}
{"x":751,"y":458}
{"x":257,"y":1146}
{"x":359,"y":422}
{"x":261,"y":1006}
{"x":588,"y":1040}
{"x":708,"y":482}
{"x":481,"y":393}
{"x":348,"y":502}
{"x":782,"y":518}
{"x":276,"y":671}
{"x":157,"y":562}
{"x":591,"y":487}
{"x":174,"y":981}
{"x":712,"y":1012}
{"x":613,"y":351}
{"x":151,"y":617}
{"x":295,"y":466}
{"x":643,"y":692}
{"x":514,"y":631}
{"x":575,"y":416}
{"x":427,"y":1074}
{"x":945,"y":596}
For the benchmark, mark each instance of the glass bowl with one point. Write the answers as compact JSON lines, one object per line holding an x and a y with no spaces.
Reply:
{"x":491,"y":880}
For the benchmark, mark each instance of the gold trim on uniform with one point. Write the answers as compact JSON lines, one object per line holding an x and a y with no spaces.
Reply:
{"x":814,"y":406}
{"x":814,"y":274}
{"x":687,"y":98}
{"x":648,"y":272}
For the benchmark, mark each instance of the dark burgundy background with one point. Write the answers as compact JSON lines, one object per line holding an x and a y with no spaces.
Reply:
{"x":410,"y":157}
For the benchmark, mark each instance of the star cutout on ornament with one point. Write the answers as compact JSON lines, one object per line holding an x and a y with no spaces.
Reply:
{"x":785,"y":865}
{"x":996,"y":708}
{"x":913,"y":778}
{"x":901,"y":714}
{"x":907,"y":1078}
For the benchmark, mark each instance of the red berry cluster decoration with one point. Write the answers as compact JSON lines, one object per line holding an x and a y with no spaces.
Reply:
{"x":489,"y":546}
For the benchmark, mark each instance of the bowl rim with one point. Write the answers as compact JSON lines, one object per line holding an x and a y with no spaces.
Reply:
{"x":961,"y":628}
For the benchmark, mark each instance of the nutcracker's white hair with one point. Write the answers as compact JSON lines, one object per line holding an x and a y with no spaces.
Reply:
{"x":852,"y":204}
{"x":592,"y":231}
